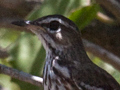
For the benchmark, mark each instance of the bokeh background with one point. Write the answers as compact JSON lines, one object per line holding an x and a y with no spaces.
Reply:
{"x":20,"y":49}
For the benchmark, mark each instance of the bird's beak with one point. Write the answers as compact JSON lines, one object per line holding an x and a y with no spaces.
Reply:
{"x":21,"y":23}
{"x":30,"y":25}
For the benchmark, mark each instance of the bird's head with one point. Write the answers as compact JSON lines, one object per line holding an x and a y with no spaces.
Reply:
{"x":54,"y":30}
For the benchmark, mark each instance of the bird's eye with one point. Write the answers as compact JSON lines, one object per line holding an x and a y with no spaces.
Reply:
{"x":54,"y":25}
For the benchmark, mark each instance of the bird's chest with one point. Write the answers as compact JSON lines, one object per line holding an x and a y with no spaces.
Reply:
{"x":55,"y":75}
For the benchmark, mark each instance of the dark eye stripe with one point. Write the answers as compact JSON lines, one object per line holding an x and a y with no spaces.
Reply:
{"x":54,"y":25}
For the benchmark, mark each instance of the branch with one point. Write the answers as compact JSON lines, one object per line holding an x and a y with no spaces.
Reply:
{"x":103,"y":54}
{"x":35,"y":80}
{"x":104,"y":18}
{"x":112,"y":5}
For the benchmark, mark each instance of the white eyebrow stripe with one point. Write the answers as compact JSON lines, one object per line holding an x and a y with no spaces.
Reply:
{"x":50,"y":19}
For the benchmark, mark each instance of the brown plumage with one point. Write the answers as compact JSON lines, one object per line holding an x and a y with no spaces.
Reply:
{"x":67,"y":65}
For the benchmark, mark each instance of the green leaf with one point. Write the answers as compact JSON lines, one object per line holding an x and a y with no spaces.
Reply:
{"x":83,"y":16}
{"x":8,"y":36}
{"x":7,"y":84}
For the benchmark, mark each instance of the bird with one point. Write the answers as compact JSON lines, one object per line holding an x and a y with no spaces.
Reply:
{"x":67,"y":66}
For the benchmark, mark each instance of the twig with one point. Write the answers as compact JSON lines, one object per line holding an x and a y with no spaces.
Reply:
{"x":103,"y":54}
{"x":112,"y":5}
{"x":35,"y":80}
{"x":104,"y":18}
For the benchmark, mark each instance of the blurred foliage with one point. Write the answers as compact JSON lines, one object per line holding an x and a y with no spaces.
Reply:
{"x":26,"y":51}
{"x":80,"y":16}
